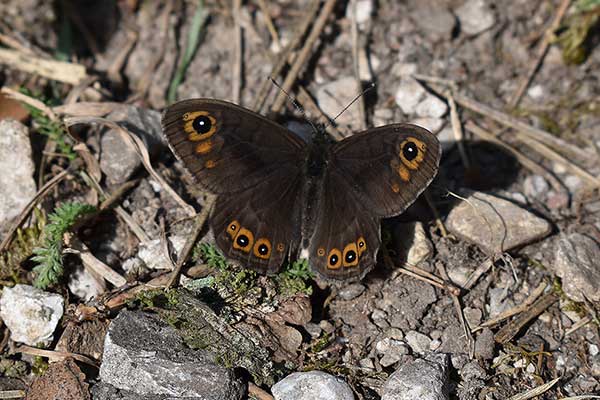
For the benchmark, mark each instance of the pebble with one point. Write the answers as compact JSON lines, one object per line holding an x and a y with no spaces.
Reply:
{"x":473,"y":316}
{"x":85,"y":285}
{"x":535,"y":187}
{"x":153,"y":255}
{"x":423,"y":379}
{"x":118,"y":160}
{"x":499,"y":301}
{"x":573,"y":183}
{"x":351,"y":291}
{"x":392,"y":351}
{"x":435,"y":21}
{"x":18,"y":186}
{"x":30,"y":314}
{"x":412,"y":243}
{"x":412,"y":98}
{"x":495,"y":224}
{"x":313,"y":330}
{"x":594,"y":350}
{"x":475,"y":16}
{"x":418,"y":342}
{"x":364,"y":12}
{"x":334,"y":96}
{"x":148,"y":357}
{"x":379,"y":318}
{"x":576,"y":262}
{"x":536,"y":92}
{"x":484,"y":344}
{"x":314,"y":385}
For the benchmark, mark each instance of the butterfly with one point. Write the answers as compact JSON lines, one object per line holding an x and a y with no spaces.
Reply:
{"x":279,"y":196}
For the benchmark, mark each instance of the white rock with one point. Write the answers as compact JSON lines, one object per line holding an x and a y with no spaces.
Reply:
{"x":30,"y":314}
{"x":364,"y":11}
{"x":431,"y":106}
{"x":314,"y":385}
{"x":334,"y":96}
{"x":475,"y":16}
{"x":85,"y":285}
{"x":418,"y":342}
{"x":152,"y":253}
{"x":446,"y":138}
{"x":420,"y":379}
{"x":535,"y":186}
{"x":536,"y":92}
{"x":576,"y":262}
{"x":412,"y":243}
{"x":17,"y":188}
{"x":409,"y":94}
{"x":594,"y":350}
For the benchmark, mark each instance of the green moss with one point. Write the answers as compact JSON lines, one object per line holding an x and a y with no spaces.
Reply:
{"x":575,"y":34}
{"x":295,"y":278}
{"x":21,"y":248}
{"x":39,"y":366}
{"x":12,"y":368}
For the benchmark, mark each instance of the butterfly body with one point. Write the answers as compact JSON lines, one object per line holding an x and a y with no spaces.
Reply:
{"x":279,"y":196}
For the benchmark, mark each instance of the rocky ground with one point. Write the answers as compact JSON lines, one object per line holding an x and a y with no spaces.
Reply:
{"x":486,"y":288}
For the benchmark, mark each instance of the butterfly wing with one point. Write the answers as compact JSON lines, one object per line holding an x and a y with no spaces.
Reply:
{"x":254,"y":166}
{"x":228,"y":148}
{"x":259,"y":226}
{"x":370,"y":176}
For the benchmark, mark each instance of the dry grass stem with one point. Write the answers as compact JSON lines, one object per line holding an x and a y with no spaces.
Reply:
{"x":55,"y":355}
{"x":510,"y":330}
{"x":301,"y":61}
{"x":285,"y":54}
{"x":189,"y":245}
{"x":536,"y":391}
{"x":356,"y":64}
{"x":61,"y":71}
{"x":91,"y":263}
{"x":457,"y":129}
{"x":541,"y":53}
{"x":236,"y":70}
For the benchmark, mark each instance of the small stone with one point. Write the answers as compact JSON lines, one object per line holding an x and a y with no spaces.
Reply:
{"x":495,"y":224}
{"x":18,"y":186}
{"x":364,"y":11}
{"x":418,"y":342}
{"x":420,"y":379}
{"x":392,"y":351}
{"x":535,"y":186}
{"x":153,"y":255}
{"x":432,"y":124}
{"x":411,"y":243}
{"x":499,"y":301}
{"x":351,"y":291}
{"x":436,"y":21}
{"x":85,"y":285}
{"x":326,"y":326}
{"x":595,"y":365}
{"x":473,"y":316}
{"x":316,"y":385}
{"x":593,"y":349}
{"x":520,"y":363}
{"x":148,"y":357}
{"x":313,"y":330}
{"x":366,"y":363}
{"x":573,"y":183}
{"x":379,"y":318}
{"x":557,"y":200}
{"x":435,"y":344}
{"x":409,"y":94}
{"x":119,"y":160}
{"x":576,"y":262}
{"x":475,"y":16}
{"x":530,"y":369}
{"x":334,"y":96}
{"x":536,"y":92}
{"x":431,"y":106}
{"x":394,"y":333}
{"x":484,"y":344}
{"x":30,"y":314}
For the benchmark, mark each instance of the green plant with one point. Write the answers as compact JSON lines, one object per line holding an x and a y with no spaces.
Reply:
{"x":49,"y":257}
{"x":53,"y":130}
{"x":194,"y":36}
{"x":575,"y":35}
{"x":210,"y":255}
{"x":294,"y":278}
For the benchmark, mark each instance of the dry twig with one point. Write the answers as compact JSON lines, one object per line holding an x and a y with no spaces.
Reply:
{"x":56,"y":70}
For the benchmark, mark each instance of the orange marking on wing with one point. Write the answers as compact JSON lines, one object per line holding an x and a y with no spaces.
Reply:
{"x":403,"y":173}
{"x":204,"y":147}
{"x":210,"y":164}
{"x":350,"y":251}
{"x":361,"y":245}
{"x":262,"y":248}
{"x":414,"y":163}
{"x":233,"y":228}
{"x":243,"y":233}
{"x":320,"y":252}
{"x":280,"y":247}
{"x":334,"y":260}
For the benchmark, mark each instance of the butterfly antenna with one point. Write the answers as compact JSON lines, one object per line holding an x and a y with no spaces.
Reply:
{"x":331,"y":121}
{"x":294,"y":102}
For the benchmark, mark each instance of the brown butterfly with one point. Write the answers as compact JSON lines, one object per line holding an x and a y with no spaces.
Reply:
{"x":278,"y":195}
